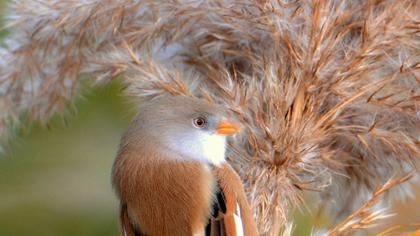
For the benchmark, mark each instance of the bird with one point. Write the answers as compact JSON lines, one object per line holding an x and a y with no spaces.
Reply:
{"x":171,"y":175}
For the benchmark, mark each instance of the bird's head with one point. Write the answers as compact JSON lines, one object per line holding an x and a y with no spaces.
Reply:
{"x":188,"y":128}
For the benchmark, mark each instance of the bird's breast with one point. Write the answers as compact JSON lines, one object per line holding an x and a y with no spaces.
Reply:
{"x":164,"y":196}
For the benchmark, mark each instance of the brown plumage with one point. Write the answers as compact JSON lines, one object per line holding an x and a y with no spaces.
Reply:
{"x":167,"y":190}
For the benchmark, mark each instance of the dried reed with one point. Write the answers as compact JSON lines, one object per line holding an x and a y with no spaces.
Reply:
{"x":366,"y":216}
{"x":328,"y":91}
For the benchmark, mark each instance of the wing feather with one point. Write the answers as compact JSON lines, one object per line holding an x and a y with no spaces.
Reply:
{"x":128,"y":228}
{"x":226,"y":218}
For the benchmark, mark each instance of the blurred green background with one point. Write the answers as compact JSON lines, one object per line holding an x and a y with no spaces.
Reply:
{"x":56,"y":180}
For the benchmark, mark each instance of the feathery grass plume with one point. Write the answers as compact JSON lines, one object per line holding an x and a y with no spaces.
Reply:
{"x":366,"y":216}
{"x":327,"y":90}
{"x":392,"y":231}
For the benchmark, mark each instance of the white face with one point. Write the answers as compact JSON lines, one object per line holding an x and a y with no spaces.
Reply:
{"x":201,"y":145}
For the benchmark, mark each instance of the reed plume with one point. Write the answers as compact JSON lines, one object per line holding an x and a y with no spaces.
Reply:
{"x":327,"y":90}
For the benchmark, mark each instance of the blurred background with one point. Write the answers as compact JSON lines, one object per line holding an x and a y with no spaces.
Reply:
{"x":56,"y":179}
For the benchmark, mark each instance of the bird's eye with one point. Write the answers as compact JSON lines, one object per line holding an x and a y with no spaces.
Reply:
{"x":200,"y":122}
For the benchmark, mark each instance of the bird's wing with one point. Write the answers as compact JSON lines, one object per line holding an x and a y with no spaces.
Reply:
{"x":226,"y":216}
{"x":239,"y":212}
{"x":128,"y":228}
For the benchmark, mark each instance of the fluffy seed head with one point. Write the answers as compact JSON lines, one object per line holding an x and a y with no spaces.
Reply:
{"x":328,"y":91}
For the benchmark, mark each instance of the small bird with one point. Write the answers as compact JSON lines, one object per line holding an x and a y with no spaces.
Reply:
{"x":171,"y":176}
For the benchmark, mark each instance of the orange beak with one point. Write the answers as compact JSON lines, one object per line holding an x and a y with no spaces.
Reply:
{"x":227,"y":128}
